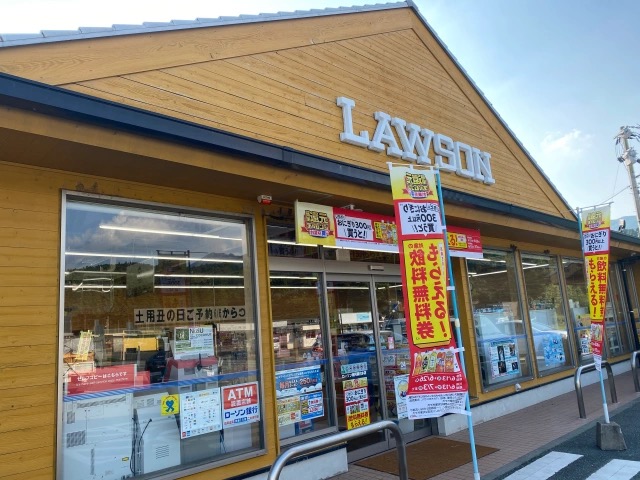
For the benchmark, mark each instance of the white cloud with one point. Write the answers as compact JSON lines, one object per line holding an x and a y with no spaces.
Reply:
{"x":565,"y":145}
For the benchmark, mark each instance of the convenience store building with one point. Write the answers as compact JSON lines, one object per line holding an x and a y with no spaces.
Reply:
{"x":159,"y":318}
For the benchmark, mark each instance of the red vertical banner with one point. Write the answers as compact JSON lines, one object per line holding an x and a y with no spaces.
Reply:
{"x":595,"y":226}
{"x":437,"y":384}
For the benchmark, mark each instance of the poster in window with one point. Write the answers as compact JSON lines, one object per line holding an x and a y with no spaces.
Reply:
{"x":553,"y":350}
{"x":504,"y":358}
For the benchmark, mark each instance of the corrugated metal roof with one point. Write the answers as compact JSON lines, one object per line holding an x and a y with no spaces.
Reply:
{"x":47,"y":36}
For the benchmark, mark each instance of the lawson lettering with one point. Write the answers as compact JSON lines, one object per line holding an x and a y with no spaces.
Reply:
{"x":412,"y":143}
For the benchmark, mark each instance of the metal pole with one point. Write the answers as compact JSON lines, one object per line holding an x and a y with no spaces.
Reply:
{"x":472,"y":441}
{"x":629,"y":158}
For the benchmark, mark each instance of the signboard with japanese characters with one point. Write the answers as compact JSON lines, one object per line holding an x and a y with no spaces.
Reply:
{"x":342,"y":227}
{"x":188,"y":314}
{"x":464,"y":242}
{"x":298,"y":380}
{"x":200,"y":412}
{"x":102,"y":379}
{"x":435,"y":369}
{"x":193,"y":341}
{"x":356,"y":402}
{"x":240,"y":405}
{"x":595,"y":226}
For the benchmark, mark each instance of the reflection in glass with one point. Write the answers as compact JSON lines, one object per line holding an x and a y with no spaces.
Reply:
{"x":503,"y":351}
{"x":301,"y":378}
{"x":353,"y":341}
{"x":160,"y":371}
{"x":574,"y":275}
{"x":616,"y":324}
{"x":546,"y":312}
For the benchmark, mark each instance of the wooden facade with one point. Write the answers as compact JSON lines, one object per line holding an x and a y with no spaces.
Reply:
{"x":275,"y":82}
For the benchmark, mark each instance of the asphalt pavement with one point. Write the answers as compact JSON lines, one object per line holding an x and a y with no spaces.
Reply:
{"x":585,"y":459}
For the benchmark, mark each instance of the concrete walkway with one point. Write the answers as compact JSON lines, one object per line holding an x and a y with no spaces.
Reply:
{"x":521,"y":435}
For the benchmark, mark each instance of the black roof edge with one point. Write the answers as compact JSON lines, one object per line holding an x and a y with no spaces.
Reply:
{"x":38,"y":97}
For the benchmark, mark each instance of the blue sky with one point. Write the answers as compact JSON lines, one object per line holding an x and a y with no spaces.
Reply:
{"x":562,"y":74}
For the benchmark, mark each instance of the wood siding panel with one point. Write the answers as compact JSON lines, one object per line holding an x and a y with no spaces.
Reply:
{"x":14,"y":336}
{"x":29,"y":355}
{"x":21,"y":377}
{"x":28,"y":276}
{"x":34,"y":464}
{"x":288,"y":97}
{"x":76,"y":61}
{"x":27,"y":439}
{"x":29,"y":309}
{"x":29,"y":315}
{"x":26,"y":418}
{"x":34,"y":398}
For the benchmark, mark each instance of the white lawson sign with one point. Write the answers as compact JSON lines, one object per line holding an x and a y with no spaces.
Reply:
{"x":415,"y":143}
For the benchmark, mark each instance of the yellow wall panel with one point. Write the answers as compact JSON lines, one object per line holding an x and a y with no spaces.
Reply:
{"x":28,"y":315}
{"x":34,"y":464}
{"x":26,"y":439}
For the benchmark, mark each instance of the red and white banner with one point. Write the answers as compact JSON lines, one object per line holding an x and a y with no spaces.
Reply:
{"x":341,"y":227}
{"x":102,"y":379}
{"x":464,"y":242}
{"x":437,"y":384}
{"x":240,"y":404}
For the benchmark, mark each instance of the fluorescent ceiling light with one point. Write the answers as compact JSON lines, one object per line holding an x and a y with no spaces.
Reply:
{"x":293,"y":288}
{"x":177,"y":275}
{"x":166,"y":232}
{"x":279,"y":277}
{"x":179,"y":287}
{"x":152,"y":257}
{"x":486,"y":260}
{"x":535,"y":266}
{"x":285,"y":242}
{"x":98,"y":272}
{"x":488,"y":273}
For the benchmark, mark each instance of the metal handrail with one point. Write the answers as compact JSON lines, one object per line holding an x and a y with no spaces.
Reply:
{"x":296,"y":451}
{"x":590,"y":367}
{"x":634,"y":369}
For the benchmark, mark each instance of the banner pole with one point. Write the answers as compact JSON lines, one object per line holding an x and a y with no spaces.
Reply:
{"x":605,"y":407}
{"x":474,"y":457}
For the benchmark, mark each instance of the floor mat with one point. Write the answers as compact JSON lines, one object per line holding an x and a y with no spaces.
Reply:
{"x":427,"y":458}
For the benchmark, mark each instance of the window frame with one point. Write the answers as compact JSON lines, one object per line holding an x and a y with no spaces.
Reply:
{"x":249,"y":223}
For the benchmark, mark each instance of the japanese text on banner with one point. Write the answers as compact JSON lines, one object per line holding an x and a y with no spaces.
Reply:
{"x":423,"y":262}
{"x":595,"y":229}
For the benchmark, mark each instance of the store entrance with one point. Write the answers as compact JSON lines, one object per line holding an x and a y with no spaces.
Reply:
{"x":369,"y":343}
{"x":344,"y":325}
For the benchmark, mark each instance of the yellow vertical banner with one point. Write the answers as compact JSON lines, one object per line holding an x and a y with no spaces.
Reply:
{"x":595,"y":229}
{"x":597,"y":271}
{"x":426,"y":291}
{"x":437,"y":385}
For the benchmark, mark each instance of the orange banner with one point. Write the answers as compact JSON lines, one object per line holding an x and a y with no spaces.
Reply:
{"x":437,"y":384}
{"x":425,"y":271}
{"x":595,"y":228}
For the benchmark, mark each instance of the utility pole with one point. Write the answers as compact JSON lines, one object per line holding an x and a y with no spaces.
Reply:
{"x":629,"y":157}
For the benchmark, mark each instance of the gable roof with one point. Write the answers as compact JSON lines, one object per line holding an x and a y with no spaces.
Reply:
{"x":83,"y":33}
{"x":176,"y":26}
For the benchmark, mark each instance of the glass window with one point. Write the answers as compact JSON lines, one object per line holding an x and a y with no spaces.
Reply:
{"x":574,"y":275}
{"x":616,"y":324}
{"x":301,"y":364}
{"x":354,"y":343}
{"x":502,"y":341}
{"x":160,"y":369}
{"x":282,"y":243}
{"x":546,"y":312}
